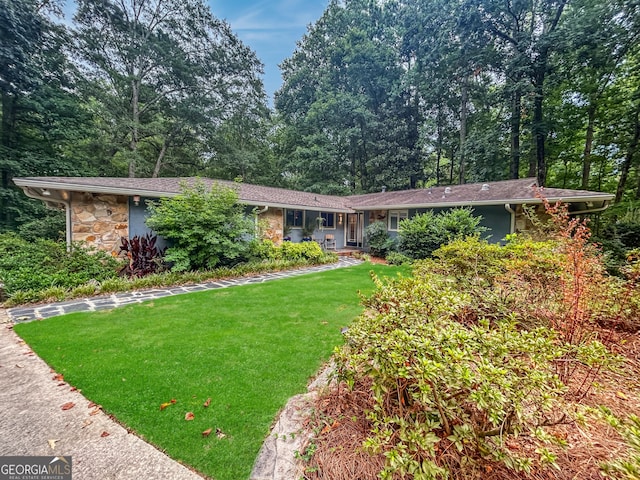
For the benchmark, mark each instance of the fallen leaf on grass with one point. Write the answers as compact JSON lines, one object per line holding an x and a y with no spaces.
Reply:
{"x":104,"y":434}
{"x":207,"y":403}
{"x":52,"y":443}
{"x":220,"y":433}
{"x":173,"y":400}
{"x":68,"y":406}
{"x":207,"y":432}
{"x":164,"y":405}
{"x":189,"y":416}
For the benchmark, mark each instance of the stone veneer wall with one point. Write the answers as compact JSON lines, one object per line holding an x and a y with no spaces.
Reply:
{"x":523,"y":223}
{"x":100,"y":220}
{"x":275,"y":223}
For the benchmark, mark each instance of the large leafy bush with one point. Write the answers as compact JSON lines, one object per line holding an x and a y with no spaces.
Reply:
{"x":205,"y":227}
{"x":378,"y":239}
{"x":440,"y":384}
{"x":424,"y":233}
{"x":40,"y":264}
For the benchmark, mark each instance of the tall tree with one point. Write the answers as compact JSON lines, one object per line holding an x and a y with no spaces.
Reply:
{"x":343,"y":94}
{"x":165,"y":72}
{"x":41,"y":117}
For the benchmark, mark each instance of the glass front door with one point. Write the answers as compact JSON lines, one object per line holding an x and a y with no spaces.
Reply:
{"x":354,"y":229}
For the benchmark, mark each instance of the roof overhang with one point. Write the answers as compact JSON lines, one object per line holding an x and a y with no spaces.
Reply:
{"x":604,"y":198}
{"x":33,"y":187}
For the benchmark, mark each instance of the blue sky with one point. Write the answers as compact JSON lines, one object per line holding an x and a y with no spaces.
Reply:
{"x":271,"y":28}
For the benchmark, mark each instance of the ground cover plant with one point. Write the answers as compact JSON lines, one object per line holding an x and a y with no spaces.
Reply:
{"x":45,"y":264}
{"x":248,"y":349}
{"x":489,"y":362}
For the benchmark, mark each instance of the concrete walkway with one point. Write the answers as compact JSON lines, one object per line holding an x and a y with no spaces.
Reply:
{"x":34,"y":422}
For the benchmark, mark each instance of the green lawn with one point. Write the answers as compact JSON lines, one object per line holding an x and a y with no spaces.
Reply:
{"x":247,"y":348}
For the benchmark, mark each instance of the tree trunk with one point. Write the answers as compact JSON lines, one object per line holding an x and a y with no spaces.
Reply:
{"x":135,"y":123}
{"x":463,"y":126}
{"x":538,"y":119}
{"x":588,"y":144}
{"x":439,"y":146}
{"x":628,"y":158}
{"x":516,"y":114}
{"x":451,"y":165}
{"x":7,"y":144}
{"x":156,"y":169}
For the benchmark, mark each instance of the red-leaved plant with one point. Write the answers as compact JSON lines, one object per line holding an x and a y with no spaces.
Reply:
{"x":143,"y":256}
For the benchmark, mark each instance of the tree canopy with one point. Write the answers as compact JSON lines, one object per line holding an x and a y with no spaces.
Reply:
{"x":378,"y":94}
{"x":410,"y":92}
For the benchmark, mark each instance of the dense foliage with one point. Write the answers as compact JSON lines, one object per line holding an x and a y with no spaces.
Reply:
{"x":206,"y":228}
{"x":44,"y":264}
{"x":144,"y":88}
{"x":481,"y":347}
{"x":403,"y":93}
{"x":378,"y":239}
{"x":397,"y":94}
{"x":288,"y":251}
{"x":422,"y":234}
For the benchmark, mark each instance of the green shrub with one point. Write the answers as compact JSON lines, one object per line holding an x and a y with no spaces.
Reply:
{"x":206,"y":228}
{"x":628,"y":466}
{"x":397,"y":258}
{"x":287,"y":251}
{"x":424,"y":233}
{"x":471,"y":260}
{"x":378,"y":239}
{"x":52,"y":294}
{"x":40,"y":264}
{"x":441,"y":385}
{"x":265,"y":250}
{"x":50,"y":227}
{"x":86,"y":290}
{"x":301,"y":251}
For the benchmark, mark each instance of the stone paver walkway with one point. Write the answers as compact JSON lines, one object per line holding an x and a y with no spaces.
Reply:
{"x":92,"y":304}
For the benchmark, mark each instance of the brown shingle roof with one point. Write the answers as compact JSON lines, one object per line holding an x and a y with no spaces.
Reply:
{"x":163,"y":187}
{"x":491,"y":193}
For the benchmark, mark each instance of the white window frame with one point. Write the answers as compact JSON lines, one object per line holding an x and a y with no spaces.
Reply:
{"x":398,"y":215}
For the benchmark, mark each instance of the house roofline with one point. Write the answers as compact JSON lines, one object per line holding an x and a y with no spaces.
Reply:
{"x":483,"y":203}
{"x":31,"y":183}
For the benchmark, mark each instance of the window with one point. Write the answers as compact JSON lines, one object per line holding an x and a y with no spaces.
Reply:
{"x":328,"y":219}
{"x":395,"y":217}
{"x":294,"y":218}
